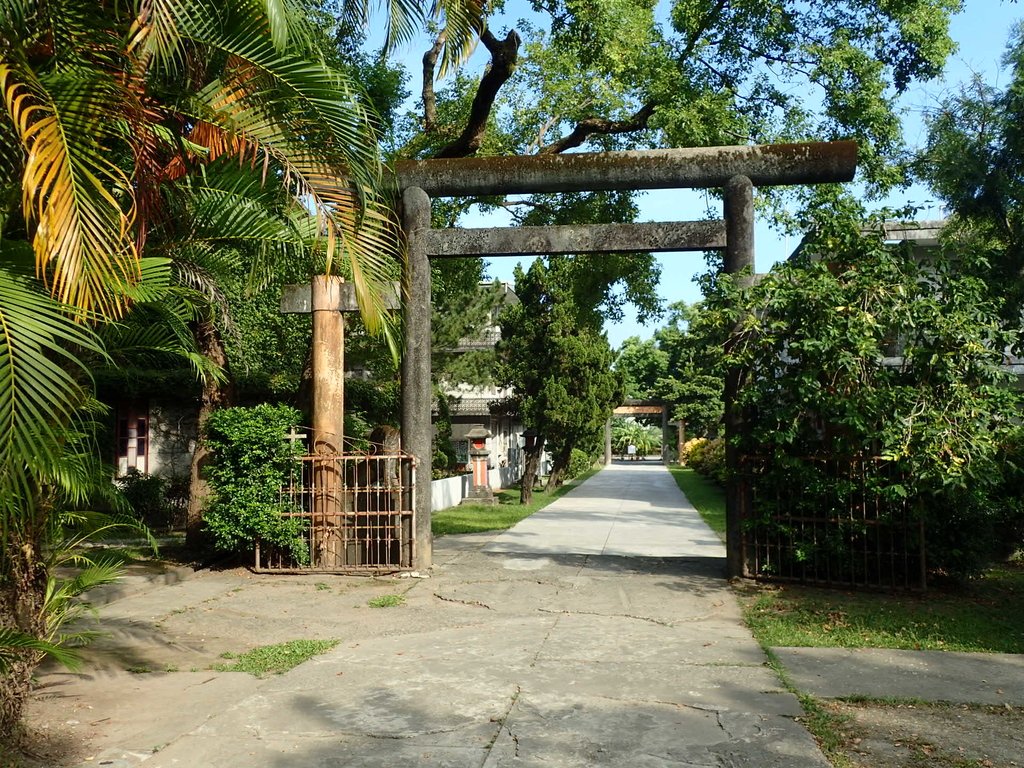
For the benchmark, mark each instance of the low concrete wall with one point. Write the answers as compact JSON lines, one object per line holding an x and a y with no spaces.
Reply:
{"x":446,"y":492}
{"x":452,"y":490}
{"x":503,"y":477}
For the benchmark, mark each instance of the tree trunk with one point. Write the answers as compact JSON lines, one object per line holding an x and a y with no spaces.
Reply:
{"x":530,"y":473}
{"x":21,"y":608}
{"x":559,"y":466}
{"x":217,"y":393}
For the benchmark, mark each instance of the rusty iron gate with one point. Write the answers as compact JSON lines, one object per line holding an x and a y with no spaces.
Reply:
{"x":844,"y":524}
{"x":357,"y":512}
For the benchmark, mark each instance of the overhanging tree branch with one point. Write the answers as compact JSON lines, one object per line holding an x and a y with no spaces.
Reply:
{"x":429,"y":97}
{"x":591,"y":125}
{"x":504,"y":57}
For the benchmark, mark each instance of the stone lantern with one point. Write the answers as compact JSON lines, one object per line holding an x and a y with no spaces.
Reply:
{"x":480,"y":487}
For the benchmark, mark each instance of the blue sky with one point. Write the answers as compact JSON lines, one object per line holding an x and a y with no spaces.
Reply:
{"x":981,"y":32}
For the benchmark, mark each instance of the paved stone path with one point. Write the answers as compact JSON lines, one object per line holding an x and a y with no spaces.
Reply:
{"x":629,"y":509}
{"x":543,"y":646}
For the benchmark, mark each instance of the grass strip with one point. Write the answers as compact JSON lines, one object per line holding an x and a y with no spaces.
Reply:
{"x":984,"y":616}
{"x":706,"y":496}
{"x":478,"y":518}
{"x":274,"y":659}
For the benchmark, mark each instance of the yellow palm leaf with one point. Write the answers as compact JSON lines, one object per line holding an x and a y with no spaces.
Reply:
{"x":82,"y":241}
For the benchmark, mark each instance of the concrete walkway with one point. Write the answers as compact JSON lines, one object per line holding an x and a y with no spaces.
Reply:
{"x":543,"y":646}
{"x":629,"y":509}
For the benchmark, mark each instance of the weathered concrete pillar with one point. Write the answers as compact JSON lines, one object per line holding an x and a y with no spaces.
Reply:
{"x":328,"y":364}
{"x":328,"y":370}
{"x":739,"y":255}
{"x":608,"y":441}
{"x":417,"y":432}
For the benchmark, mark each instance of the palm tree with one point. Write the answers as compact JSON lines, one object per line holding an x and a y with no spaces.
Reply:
{"x":113,"y":111}
{"x":645,"y":438}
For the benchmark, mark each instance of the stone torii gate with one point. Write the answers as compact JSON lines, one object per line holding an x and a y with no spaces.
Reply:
{"x":635,"y":407}
{"x":737,"y":169}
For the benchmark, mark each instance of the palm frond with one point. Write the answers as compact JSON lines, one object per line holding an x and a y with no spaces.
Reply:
{"x":336,"y":183}
{"x":157,"y":334}
{"x":15,"y":645}
{"x":82,"y":240}
{"x":63,"y":603}
{"x":155,"y":36}
{"x":40,"y":393}
{"x":463,"y":21}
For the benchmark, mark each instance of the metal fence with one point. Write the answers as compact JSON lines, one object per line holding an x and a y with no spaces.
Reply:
{"x":357,"y":513}
{"x":836,"y":522}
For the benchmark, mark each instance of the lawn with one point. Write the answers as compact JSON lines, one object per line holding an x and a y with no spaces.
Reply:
{"x":985,"y":615}
{"x":477,"y":518}
{"x":706,"y":496}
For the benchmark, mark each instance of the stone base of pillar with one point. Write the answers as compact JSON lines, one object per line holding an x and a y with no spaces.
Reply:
{"x":480,"y":496}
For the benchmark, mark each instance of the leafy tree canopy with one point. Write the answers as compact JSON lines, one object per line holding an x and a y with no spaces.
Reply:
{"x":557,"y":360}
{"x":974,"y":161}
{"x":694,"y":374}
{"x":623,"y":74}
{"x":642,"y":364}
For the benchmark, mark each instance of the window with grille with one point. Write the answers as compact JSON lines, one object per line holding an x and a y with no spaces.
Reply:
{"x":132,"y":438}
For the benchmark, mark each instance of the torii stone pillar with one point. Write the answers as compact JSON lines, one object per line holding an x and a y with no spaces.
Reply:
{"x":739,"y":256}
{"x":417,"y":431}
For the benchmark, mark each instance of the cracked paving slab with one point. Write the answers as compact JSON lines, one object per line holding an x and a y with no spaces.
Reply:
{"x":499,"y":659}
{"x":548,"y":730}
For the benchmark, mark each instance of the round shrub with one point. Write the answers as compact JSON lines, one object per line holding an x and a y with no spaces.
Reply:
{"x":251,"y":461}
{"x":579,"y":462}
{"x":695,"y":444}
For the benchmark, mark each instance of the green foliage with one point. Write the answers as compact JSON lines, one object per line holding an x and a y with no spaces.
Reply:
{"x":694,"y":377}
{"x":984,"y":616}
{"x":146,"y":495}
{"x":251,"y":463}
{"x":579,"y":463}
{"x":558,"y":362}
{"x":275,"y":659}
{"x":445,"y":463}
{"x":125,"y":219}
{"x":386,"y":601}
{"x":643,"y":364}
{"x":974,"y":162}
{"x":716,"y":73}
{"x":644,"y":437}
{"x":708,"y":458}
{"x":857,"y":349}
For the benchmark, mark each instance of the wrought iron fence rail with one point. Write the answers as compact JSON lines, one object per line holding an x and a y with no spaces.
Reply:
{"x":859,"y":539}
{"x":358,"y":514}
